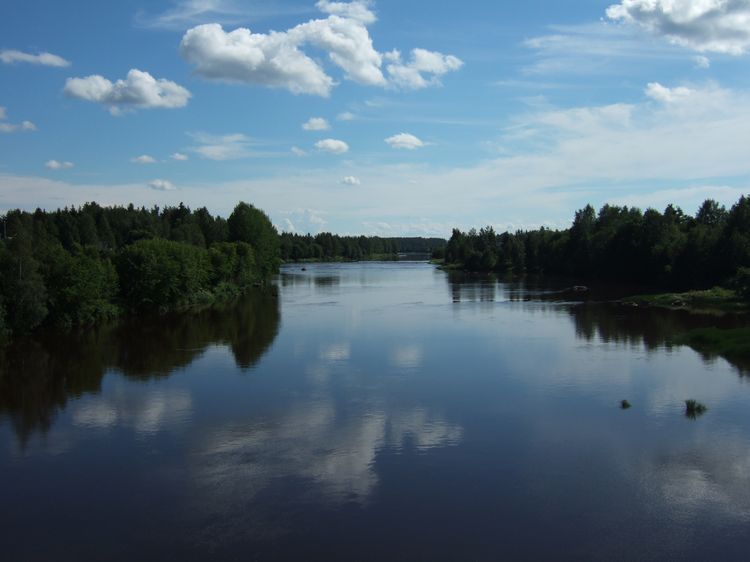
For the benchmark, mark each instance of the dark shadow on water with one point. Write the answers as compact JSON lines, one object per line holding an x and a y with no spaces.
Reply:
{"x":38,"y":375}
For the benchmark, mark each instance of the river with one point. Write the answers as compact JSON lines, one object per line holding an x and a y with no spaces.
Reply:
{"x":376,"y":411}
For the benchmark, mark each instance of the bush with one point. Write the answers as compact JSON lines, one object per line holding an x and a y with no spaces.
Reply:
{"x":161,"y":274}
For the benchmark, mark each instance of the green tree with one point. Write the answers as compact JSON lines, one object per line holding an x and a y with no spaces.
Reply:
{"x":252,"y":226}
{"x":162,"y":274}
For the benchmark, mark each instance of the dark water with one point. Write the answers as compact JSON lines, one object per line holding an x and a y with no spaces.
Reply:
{"x":378,"y":411}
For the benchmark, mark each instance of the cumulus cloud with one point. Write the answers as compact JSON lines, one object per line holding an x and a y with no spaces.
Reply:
{"x":333,"y":146}
{"x":719,"y":26}
{"x":351,"y":180}
{"x":55,"y":165}
{"x":298,"y":151}
{"x":404,"y":141}
{"x":346,"y":116}
{"x":423,"y":69}
{"x":179,"y":156}
{"x":143,"y":159}
{"x":357,"y":10}
{"x":656,"y":91}
{"x":278,"y":60}
{"x":162,"y":185}
{"x":14,"y":127}
{"x":316,"y":124}
{"x":43,"y":59}
{"x":138,"y":90}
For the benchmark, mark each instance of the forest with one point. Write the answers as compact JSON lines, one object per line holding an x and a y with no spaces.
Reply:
{"x":668,"y":249}
{"x":82,"y":266}
{"x":332,"y":247}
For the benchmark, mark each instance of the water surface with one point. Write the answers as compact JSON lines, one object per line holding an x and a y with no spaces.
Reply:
{"x":376,"y":411}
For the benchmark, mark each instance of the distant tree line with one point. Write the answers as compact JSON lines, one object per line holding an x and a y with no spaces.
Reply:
{"x":668,"y":249}
{"x":331,"y":247}
{"x":80,"y":266}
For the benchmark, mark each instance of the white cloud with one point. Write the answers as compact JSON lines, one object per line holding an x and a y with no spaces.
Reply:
{"x":357,"y":10}
{"x":702,"y":62}
{"x":222,"y":147}
{"x":188,"y":13}
{"x":423,"y":69}
{"x":277,"y":59}
{"x":305,"y":220}
{"x":316,"y":124}
{"x":143,"y":159}
{"x":13,"y":127}
{"x":333,"y":146}
{"x":719,"y":26}
{"x":162,"y":185}
{"x":656,"y":91}
{"x":346,"y":116}
{"x":44,"y":59}
{"x":351,"y":180}
{"x":179,"y":156}
{"x":298,"y":151}
{"x":599,"y":48}
{"x":404,"y":141}
{"x":558,"y":159}
{"x":242,"y":56}
{"x":55,"y":165}
{"x":138,"y":90}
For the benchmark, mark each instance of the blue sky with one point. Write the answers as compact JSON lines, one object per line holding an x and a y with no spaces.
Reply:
{"x":387,"y":117}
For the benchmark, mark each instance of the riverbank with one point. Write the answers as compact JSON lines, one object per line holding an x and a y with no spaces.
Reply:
{"x":718,"y":300}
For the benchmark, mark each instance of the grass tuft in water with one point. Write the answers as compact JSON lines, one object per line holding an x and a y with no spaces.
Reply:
{"x":693,"y":409}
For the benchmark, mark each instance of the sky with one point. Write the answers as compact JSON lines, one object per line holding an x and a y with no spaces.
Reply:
{"x":386,"y":118}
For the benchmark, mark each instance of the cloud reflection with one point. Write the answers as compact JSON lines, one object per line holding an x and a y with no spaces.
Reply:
{"x":310,"y":452}
{"x":148,"y":414}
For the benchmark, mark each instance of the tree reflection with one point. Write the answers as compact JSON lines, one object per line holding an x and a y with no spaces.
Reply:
{"x":39,"y":375}
{"x":651,"y":327}
{"x":595,"y":314}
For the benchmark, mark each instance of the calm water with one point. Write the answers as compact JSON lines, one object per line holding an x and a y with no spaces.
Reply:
{"x":376,"y":411}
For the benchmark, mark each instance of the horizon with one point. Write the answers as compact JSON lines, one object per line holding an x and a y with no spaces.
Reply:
{"x":388,"y":120}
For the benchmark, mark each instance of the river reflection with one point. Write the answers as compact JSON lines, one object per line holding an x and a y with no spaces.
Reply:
{"x":38,"y":376}
{"x":392,"y":411}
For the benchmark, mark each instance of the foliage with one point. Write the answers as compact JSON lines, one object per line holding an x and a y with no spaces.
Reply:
{"x":332,"y":247}
{"x":161,"y":274}
{"x":667,"y":249}
{"x":741,"y":282}
{"x":251,"y":226}
{"x":81,"y":266}
{"x":693,"y":408}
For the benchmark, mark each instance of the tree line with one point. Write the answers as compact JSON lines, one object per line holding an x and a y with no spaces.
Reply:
{"x":332,"y":247}
{"x":81,"y":266}
{"x":620,"y":243}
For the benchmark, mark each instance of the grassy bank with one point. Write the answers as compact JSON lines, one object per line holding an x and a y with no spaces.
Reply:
{"x":716,"y":300}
